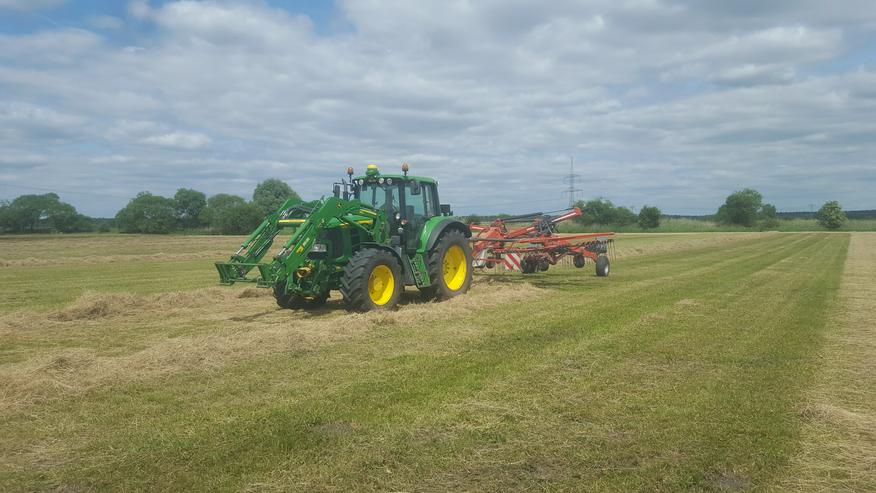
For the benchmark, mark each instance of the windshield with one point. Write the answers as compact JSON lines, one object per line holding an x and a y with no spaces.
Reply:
{"x":375,"y":195}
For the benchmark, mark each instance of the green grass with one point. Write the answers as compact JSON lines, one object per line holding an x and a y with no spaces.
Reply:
{"x":682,"y":370}
{"x":685,"y":225}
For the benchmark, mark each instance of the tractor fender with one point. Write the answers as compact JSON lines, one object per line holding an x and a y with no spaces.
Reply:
{"x":407,"y":270}
{"x":438,"y":227}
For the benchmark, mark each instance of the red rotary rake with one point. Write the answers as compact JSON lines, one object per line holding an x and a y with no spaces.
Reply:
{"x":537,"y":246}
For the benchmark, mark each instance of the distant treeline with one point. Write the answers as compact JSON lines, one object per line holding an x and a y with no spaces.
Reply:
{"x":192,"y":211}
{"x":864,"y":214}
{"x":188,"y":210}
{"x":743,"y":209}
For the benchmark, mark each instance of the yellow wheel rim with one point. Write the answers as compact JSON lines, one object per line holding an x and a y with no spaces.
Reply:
{"x":381,"y":285}
{"x":455,"y":267}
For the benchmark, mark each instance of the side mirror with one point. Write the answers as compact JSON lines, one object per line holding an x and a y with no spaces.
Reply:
{"x":336,"y":191}
{"x":445,"y":210}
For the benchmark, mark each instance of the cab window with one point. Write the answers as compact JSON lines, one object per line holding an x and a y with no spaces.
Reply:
{"x":415,"y":203}
{"x":375,"y":195}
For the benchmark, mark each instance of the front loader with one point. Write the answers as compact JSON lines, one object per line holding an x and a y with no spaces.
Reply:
{"x":375,"y":235}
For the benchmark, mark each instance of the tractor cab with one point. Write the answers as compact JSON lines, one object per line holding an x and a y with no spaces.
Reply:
{"x":408,"y":201}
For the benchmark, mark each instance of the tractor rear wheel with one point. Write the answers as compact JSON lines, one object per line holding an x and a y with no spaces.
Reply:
{"x":602,"y":266}
{"x":449,"y":266}
{"x":371,"y":280}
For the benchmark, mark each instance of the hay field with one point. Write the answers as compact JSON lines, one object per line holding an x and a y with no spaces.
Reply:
{"x":720,"y":362}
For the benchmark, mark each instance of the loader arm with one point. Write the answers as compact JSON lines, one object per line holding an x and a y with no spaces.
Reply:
{"x":257,"y":244}
{"x":309,"y":219}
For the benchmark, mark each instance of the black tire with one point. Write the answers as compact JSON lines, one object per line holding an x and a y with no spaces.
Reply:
{"x":544,"y":265}
{"x":579,"y":260}
{"x":283,"y":300}
{"x":602,"y":266}
{"x":528,"y":265}
{"x":292,"y":301}
{"x":435,"y":265}
{"x":357,"y":277}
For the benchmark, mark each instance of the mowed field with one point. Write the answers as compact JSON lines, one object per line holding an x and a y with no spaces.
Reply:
{"x":711,"y":362}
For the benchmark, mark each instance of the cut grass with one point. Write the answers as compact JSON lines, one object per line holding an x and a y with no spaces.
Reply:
{"x":688,"y":225}
{"x":838,"y":450}
{"x":683,"y":370}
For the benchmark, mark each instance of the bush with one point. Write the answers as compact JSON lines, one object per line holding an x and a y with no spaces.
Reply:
{"x":831,"y":215}
{"x":649,"y":217}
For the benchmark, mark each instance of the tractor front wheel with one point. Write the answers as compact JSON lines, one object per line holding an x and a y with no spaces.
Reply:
{"x":602,"y":266}
{"x":293,"y":301}
{"x":449,"y":266}
{"x":371,"y":281}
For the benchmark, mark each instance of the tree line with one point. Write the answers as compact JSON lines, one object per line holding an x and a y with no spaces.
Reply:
{"x":741,"y":208}
{"x":187,"y":210}
{"x":191,"y":210}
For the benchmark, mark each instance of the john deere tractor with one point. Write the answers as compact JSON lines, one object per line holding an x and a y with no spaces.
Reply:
{"x":375,"y":235}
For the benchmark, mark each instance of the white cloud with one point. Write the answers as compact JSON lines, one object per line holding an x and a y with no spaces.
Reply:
{"x":29,"y":5}
{"x":107,"y":22}
{"x":180,"y":140}
{"x":666,"y":102}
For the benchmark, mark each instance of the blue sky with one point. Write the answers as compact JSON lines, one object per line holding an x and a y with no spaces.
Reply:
{"x":673,"y":103}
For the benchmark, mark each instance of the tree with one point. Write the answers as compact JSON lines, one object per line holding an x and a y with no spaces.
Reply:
{"x":147,"y":213}
{"x":45,"y":212}
{"x":217,"y":206}
{"x":189,"y":204}
{"x":602,"y":211}
{"x":5,"y":216}
{"x":649,"y":217}
{"x":831,"y":215}
{"x":768,"y":218}
{"x":741,"y":208}
{"x":239,"y":219}
{"x":270,"y":194}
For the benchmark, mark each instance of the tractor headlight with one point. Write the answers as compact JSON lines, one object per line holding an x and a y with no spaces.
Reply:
{"x":397,"y":216}
{"x":389,"y":181}
{"x":318,"y":248}
{"x":380,"y":180}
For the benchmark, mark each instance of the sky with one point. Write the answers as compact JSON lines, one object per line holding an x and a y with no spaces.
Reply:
{"x":673,"y":103}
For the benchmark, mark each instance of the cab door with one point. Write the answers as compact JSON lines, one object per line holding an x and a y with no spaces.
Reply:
{"x":419,"y":206}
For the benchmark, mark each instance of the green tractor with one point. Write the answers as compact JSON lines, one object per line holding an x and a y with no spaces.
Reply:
{"x":375,"y":235}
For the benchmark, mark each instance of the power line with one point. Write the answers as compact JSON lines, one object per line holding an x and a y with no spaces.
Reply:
{"x":572,"y":192}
